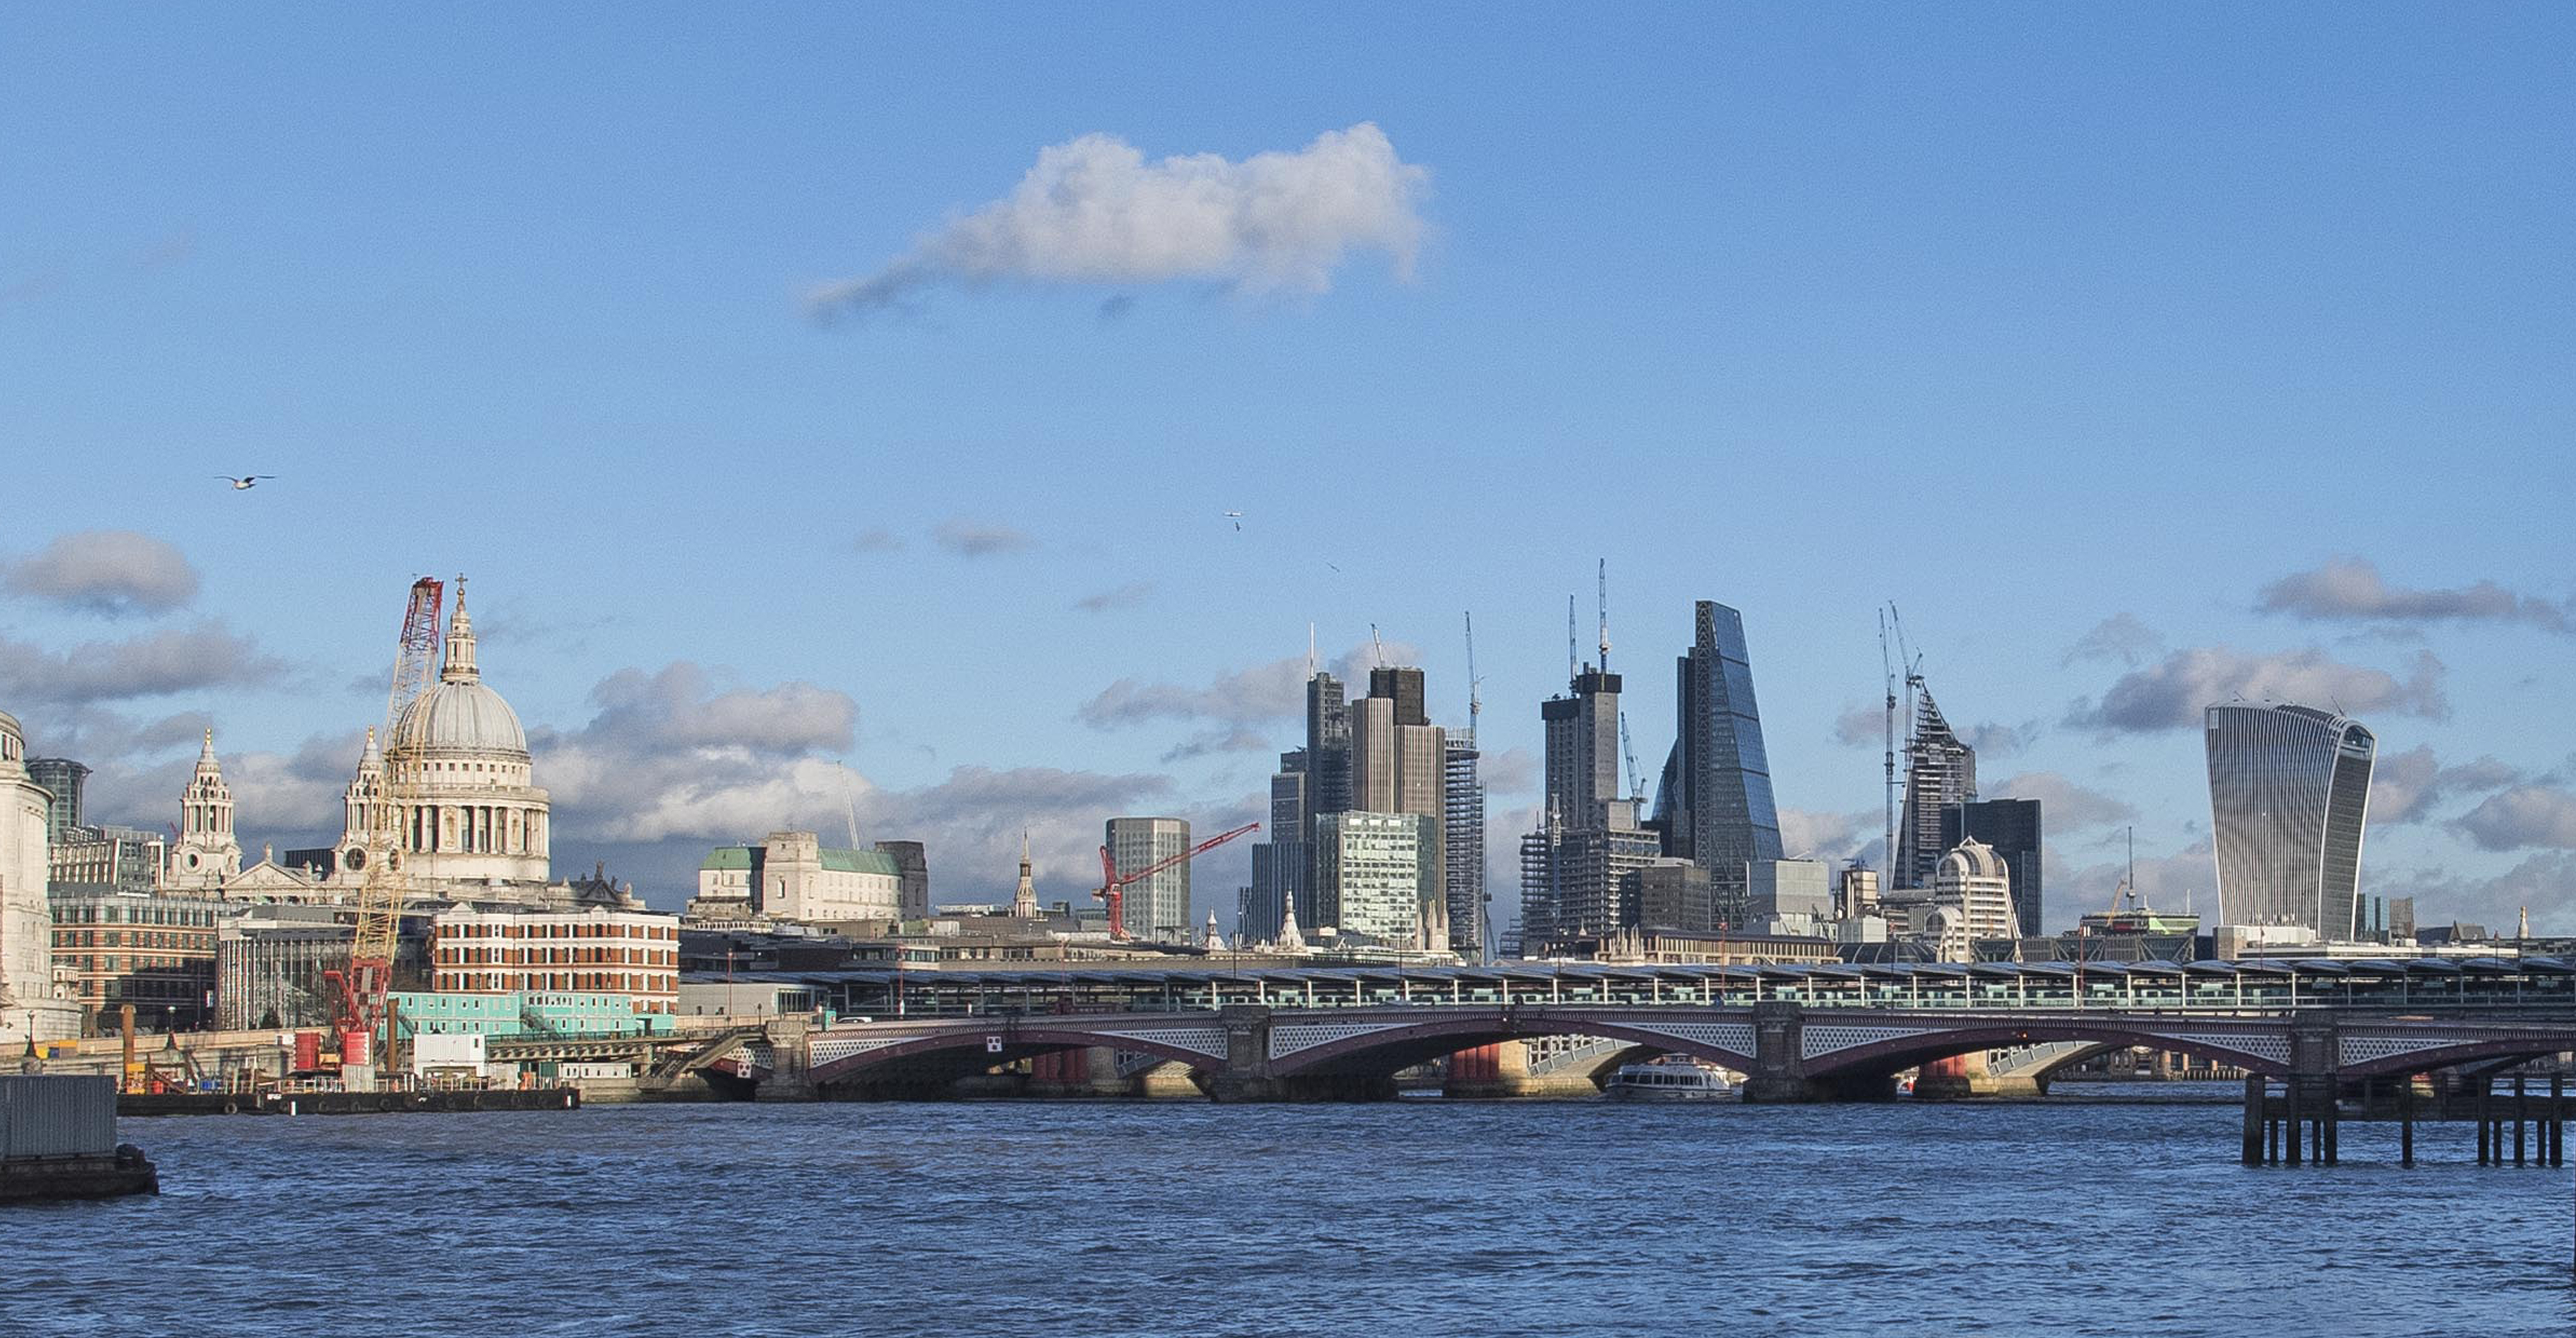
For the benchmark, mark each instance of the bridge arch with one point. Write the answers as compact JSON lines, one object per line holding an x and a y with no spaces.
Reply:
{"x":1381,"y":1051}
{"x":2505,"y":1052}
{"x":945,"y":1055}
{"x":1914,"y":1049}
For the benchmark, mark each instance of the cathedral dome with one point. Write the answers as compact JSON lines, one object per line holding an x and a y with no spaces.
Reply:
{"x":460,"y":717}
{"x":457,"y":714}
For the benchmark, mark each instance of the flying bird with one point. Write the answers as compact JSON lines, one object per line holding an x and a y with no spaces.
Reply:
{"x":246,"y":482}
{"x":1237,"y":518}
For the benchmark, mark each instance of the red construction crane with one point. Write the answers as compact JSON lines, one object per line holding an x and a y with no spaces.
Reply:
{"x":1113,"y":884}
{"x":359,"y":990}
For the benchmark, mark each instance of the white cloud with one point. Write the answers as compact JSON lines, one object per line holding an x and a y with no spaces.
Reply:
{"x":2171,"y":693}
{"x":1095,"y":211}
{"x":1833,"y":837}
{"x":2350,"y":588}
{"x":155,"y":664}
{"x":112,"y":572}
{"x":2524,"y":816}
{"x":2119,"y":637}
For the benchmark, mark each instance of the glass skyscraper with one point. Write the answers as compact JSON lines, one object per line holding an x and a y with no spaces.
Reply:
{"x":2289,"y":792}
{"x":1714,"y":806}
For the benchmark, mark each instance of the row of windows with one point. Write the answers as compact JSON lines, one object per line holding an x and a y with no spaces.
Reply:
{"x":120,"y":963}
{"x":451,"y":956}
{"x":112,"y":914}
{"x":614,"y":982}
{"x":133,"y":938}
{"x":667,"y":930}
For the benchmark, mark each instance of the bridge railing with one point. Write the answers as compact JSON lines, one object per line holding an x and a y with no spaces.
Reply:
{"x":2249,"y":992}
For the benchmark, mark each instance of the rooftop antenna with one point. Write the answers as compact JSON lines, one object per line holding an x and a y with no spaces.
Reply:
{"x":1604,"y":577}
{"x":1310,"y":650}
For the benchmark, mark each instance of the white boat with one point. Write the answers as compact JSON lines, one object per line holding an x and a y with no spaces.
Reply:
{"x":1667,"y":1082}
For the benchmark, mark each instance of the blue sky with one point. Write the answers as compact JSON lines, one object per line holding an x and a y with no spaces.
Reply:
{"x":2029,"y":319}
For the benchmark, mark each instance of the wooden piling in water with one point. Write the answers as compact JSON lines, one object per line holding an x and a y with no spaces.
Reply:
{"x":2253,"y":1149}
{"x":2296,"y":1115}
{"x":2485,"y":1126}
{"x":2406,"y":1120}
{"x":2521,"y":1117}
{"x":2557,"y":1125}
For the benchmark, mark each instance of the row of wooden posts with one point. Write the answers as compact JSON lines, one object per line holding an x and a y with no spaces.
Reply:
{"x":2305,"y":1127}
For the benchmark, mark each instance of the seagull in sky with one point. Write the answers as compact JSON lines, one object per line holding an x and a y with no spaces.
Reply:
{"x":1237,"y":518}
{"x":246,"y":482}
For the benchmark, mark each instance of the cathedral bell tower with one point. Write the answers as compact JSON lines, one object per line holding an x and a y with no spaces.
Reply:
{"x":207,"y":852}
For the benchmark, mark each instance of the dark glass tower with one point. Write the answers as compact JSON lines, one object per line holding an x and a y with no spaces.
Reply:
{"x":1715,"y":807}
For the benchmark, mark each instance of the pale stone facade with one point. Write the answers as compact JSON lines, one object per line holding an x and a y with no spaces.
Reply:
{"x":29,"y":998}
{"x":207,"y":852}
{"x":793,"y":876}
{"x":1975,"y":881}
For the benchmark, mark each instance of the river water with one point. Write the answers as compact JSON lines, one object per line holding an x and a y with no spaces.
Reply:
{"x":1410,"y":1217}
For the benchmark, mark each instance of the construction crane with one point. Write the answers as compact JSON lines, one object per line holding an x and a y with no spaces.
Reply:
{"x":1113,"y":884}
{"x":1628,"y":750}
{"x":359,"y":990}
{"x":1475,"y":702}
{"x":1604,"y":578}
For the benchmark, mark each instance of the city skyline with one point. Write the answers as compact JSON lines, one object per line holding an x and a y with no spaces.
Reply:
{"x":2185,"y":336}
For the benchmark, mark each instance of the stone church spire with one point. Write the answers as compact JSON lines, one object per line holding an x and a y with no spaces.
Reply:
{"x":1024,"y":901}
{"x":207,"y":852}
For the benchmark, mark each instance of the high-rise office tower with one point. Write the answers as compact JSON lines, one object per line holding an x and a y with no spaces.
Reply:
{"x":2012,"y":827}
{"x":1939,"y":771}
{"x":1399,"y":764}
{"x":1463,"y":841}
{"x":1282,"y":865}
{"x":1581,"y":731}
{"x":1328,"y":774}
{"x":1157,"y":907}
{"x":1576,"y":870}
{"x":2289,"y":794}
{"x":63,"y":778}
{"x":1374,"y":866}
{"x":1714,"y":806}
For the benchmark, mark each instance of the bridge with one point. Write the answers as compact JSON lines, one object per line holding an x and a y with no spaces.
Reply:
{"x":1798,"y":1033}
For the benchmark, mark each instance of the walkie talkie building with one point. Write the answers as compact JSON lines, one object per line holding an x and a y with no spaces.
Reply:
{"x":2289,"y":791}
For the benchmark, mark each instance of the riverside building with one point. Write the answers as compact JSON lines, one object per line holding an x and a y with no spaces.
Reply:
{"x":31,"y":1007}
{"x":633,"y":954}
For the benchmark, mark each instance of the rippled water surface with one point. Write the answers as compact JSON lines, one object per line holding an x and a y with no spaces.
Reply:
{"x":1404,"y":1218}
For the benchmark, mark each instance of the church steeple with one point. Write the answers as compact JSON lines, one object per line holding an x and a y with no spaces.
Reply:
{"x":460,"y":644}
{"x":207,"y":851}
{"x":1024,"y":901}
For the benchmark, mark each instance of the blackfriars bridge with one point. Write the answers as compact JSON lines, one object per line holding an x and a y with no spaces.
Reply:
{"x":1798,"y":1033}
